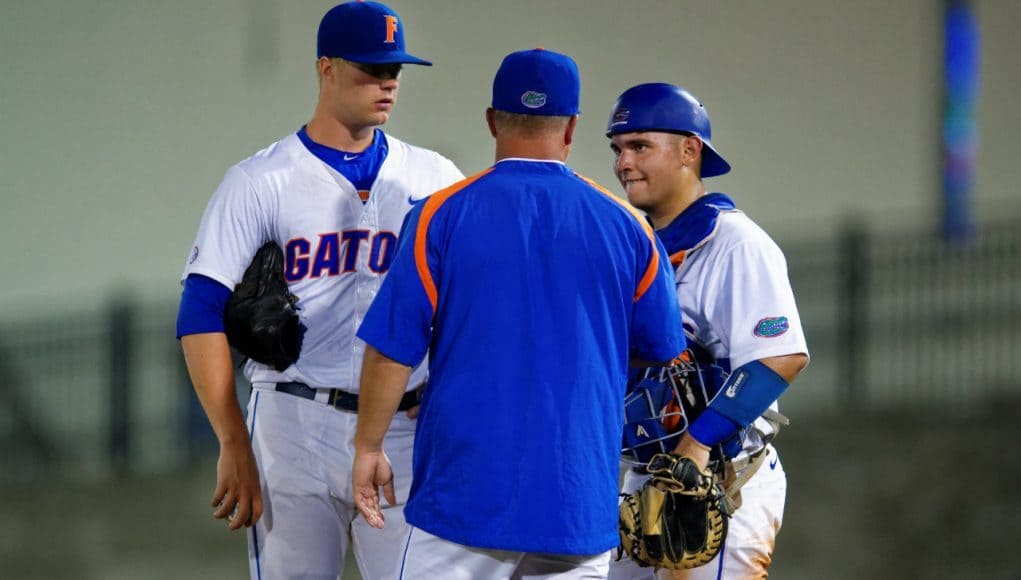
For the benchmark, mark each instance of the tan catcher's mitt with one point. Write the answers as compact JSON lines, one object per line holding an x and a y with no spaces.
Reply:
{"x":676,"y":520}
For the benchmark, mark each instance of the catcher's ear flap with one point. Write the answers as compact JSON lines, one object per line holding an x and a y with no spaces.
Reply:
{"x":644,"y":438}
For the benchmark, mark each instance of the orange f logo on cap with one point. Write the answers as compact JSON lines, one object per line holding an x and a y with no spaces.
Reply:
{"x":391,"y":27}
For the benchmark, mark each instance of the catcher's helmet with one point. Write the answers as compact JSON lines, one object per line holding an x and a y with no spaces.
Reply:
{"x":670,"y":109}
{"x":660,"y":403}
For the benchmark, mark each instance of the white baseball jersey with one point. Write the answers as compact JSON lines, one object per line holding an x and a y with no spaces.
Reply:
{"x":737,"y":301}
{"x":337,"y":249}
{"x":730,"y":284}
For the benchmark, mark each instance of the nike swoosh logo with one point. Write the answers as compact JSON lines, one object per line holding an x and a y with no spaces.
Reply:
{"x":772,"y":464}
{"x":350,"y":157}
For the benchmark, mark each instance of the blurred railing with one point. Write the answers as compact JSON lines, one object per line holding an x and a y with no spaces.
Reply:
{"x":895,"y":320}
{"x":92,"y":394}
{"x":902,"y":320}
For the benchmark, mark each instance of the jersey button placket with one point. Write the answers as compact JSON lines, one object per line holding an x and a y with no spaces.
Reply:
{"x":365,"y":280}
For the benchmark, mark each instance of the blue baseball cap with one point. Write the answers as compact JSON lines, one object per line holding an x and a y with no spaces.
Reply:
{"x":537,"y":82}
{"x":364,"y":32}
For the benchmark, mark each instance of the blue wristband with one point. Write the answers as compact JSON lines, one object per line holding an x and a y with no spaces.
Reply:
{"x":746,"y":394}
{"x":711,"y":428}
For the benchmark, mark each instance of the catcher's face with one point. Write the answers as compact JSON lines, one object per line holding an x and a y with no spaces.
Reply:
{"x":653,"y":168}
{"x":361,"y":95}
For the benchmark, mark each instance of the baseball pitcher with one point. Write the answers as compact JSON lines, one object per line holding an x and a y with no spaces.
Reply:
{"x":331,"y":199}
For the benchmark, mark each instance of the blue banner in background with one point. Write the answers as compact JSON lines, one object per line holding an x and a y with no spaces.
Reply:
{"x":961,"y":70}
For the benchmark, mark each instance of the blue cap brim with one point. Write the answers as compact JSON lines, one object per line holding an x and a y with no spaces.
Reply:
{"x":712,"y":163}
{"x":387,"y":57}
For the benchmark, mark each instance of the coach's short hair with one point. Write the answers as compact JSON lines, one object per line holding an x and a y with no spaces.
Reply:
{"x":529,"y":125}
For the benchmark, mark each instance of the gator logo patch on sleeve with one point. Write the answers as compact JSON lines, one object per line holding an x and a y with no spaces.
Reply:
{"x":773,"y":326}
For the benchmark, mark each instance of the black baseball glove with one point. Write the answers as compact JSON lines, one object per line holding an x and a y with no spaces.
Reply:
{"x":676,"y":520}
{"x":260,"y":317}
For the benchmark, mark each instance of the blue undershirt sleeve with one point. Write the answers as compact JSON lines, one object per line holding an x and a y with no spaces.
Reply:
{"x":202,"y":304}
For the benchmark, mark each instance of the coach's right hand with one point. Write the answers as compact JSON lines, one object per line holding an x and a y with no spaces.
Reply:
{"x":238,"y":497}
{"x":372,"y":470}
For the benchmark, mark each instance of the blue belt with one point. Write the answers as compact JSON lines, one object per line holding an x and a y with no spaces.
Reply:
{"x":342,"y":399}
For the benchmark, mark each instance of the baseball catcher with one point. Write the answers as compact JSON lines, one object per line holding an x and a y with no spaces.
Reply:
{"x":718,"y":408}
{"x":260,"y":317}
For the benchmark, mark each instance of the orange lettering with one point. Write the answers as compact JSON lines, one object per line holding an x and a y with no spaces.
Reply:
{"x":391,"y":27}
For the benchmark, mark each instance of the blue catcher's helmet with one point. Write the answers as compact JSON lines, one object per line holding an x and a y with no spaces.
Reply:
{"x":670,"y":109}
{"x":654,"y":417}
{"x":661,"y":402}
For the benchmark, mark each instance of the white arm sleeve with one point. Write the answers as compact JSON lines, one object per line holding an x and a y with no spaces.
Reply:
{"x":234,"y":226}
{"x":754,"y":310}
{"x":452,"y":173}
